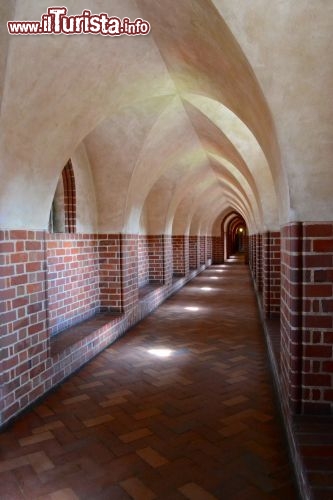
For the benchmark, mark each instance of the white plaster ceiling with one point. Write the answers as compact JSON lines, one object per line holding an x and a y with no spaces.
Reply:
{"x":223,"y":106}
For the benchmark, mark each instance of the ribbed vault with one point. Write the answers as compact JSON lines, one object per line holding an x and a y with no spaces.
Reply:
{"x":166,"y":132}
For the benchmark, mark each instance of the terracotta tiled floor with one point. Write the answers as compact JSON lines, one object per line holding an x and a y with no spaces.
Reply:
{"x":199,"y":423}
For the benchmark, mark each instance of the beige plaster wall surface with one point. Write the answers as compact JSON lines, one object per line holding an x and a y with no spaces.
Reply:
{"x":223,"y":106}
{"x":290,"y":46}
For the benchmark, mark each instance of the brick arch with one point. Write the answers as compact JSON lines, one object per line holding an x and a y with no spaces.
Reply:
{"x":229,"y":229}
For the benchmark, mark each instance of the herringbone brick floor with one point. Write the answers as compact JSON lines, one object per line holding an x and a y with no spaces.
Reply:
{"x":199,"y":423}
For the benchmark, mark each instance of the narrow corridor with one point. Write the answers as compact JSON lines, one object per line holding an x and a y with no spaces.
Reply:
{"x":180,"y":407}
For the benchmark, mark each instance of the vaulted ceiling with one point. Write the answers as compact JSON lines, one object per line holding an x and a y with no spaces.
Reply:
{"x":223,"y":107}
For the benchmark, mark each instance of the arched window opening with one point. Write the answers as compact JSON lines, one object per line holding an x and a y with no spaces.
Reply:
{"x":63,"y":209}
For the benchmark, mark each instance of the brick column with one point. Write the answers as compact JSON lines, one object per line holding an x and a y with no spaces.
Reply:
{"x":291,"y":317}
{"x":193,"y":252}
{"x":259,"y":262}
{"x":143,"y":260}
{"x":209,"y":249}
{"x":180,"y":255}
{"x":168,"y":266}
{"x":254,"y":256}
{"x":252,"y":253}
{"x":23,"y":322}
{"x":110,"y":272}
{"x":156,"y":258}
{"x":160,"y":259}
{"x":271,"y":273}
{"x":202,"y":253}
{"x":187,"y":254}
{"x":129,"y":270}
{"x":306,"y":317}
{"x":317,"y":291}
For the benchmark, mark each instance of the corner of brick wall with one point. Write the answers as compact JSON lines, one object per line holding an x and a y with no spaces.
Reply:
{"x":23,"y":329}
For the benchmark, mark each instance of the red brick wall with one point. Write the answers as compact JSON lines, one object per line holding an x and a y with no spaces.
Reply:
{"x":72,"y":279}
{"x":129,"y":270}
{"x":23,"y":325}
{"x":217,"y":250}
{"x":317,"y":292}
{"x":31,"y":265}
{"x":202,"y":241}
{"x":143,"y":260}
{"x":306,"y":316}
{"x":271,"y":273}
{"x":110,"y":286}
{"x":193,"y":252}
{"x":168,"y":259}
{"x":251,"y":253}
{"x":178,"y":251}
{"x":209,"y":248}
{"x":259,"y":262}
{"x":156,"y":258}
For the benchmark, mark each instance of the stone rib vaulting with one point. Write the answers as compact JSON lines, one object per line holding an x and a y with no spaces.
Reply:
{"x":129,"y":165}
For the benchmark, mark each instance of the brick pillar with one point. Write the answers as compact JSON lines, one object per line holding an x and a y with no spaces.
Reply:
{"x":253,"y":253}
{"x":168,"y":265}
{"x":254,"y":256}
{"x":306,"y":317}
{"x":160,"y":259}
{"x":193,"y":252}
{"x":291,"y":317}
{"x":143,"y":260}
{"x":266,"y":261}
{"x":156,"y":258}
{"x":317,"y":291}
{"x":217,"y":250}
{"x":202,"y":253}
{"x":209,"y":249}
{"x":259,"y":262}
{"x":180,"y":255}
{"x":187,"y":254}
{"x":110,"y":272}
{"x":129,"y":270}
{"x":23,"y":322}
{"x":271,"y":273}
{"x":250,"y":250}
